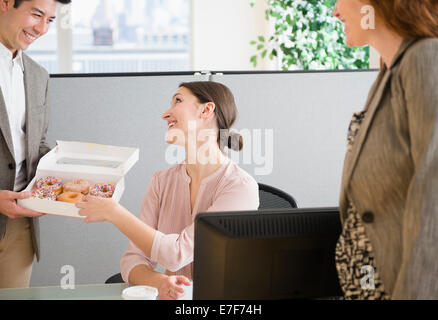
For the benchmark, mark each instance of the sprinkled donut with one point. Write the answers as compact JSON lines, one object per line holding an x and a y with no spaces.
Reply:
{"x":102,"y":190}
{"x":45,"y":194}
{"x":71,"y":197}
{"x":51,"y":183}
{"x":80,"y":185}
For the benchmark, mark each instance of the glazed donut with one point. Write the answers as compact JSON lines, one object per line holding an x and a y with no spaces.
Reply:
{"x":71,"y":197}
{"x":102,"y":190}
{"x":45,"y":194}
{"x":77,"y":186}
{"x":51,"y":183}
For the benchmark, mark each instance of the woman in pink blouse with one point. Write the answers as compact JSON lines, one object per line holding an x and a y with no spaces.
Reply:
{"x":199,"y":118}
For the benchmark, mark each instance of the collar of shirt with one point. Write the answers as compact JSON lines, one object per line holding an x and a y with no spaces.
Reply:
{"x":6,"y":54}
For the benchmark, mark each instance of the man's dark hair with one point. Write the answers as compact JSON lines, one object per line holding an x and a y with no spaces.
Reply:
{"x":19,"y":2}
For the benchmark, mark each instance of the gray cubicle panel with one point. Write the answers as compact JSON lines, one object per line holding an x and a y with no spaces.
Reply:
{"x":111,"y":110}
{"x":308,"y":114}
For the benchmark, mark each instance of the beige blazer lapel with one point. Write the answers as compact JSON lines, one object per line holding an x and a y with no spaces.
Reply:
{"x":4,"y":124}
{"x":372,"y":105}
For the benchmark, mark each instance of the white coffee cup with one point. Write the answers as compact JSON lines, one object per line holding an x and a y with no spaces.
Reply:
{"x":140,"y":293}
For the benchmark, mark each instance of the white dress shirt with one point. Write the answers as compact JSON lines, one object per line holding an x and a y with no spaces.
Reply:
{"x":12,"y":87}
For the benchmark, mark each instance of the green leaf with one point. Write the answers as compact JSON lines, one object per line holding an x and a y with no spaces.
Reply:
{"x":254,"y":61}
{"x":308,"y":36}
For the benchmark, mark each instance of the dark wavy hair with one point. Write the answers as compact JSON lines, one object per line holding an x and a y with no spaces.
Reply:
{"x":17,"y":3}
{"x":225,"y":110}
{"x":411,"y":19}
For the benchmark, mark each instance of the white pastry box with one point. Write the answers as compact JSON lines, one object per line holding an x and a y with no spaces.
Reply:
{"x":69,"y":161}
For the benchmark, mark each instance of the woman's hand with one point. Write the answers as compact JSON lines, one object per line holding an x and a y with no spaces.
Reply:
{"x":99,"y":209}
{"x":171,"y":288}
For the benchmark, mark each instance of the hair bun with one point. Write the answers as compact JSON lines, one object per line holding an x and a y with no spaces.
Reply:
{"x":235,"y":141}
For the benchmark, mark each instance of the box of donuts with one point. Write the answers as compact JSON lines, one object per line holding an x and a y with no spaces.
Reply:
{"x":74,"y":169}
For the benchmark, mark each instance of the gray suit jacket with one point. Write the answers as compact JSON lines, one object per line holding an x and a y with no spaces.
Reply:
{"x":36,"y":84}
{"x":391,"y":173}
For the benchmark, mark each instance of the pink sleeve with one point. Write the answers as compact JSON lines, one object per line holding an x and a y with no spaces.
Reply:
{"x":133,"y":256}
{"x":175,"y":251}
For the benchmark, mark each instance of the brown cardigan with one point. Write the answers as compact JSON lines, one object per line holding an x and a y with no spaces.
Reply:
{"x":391,"y":174}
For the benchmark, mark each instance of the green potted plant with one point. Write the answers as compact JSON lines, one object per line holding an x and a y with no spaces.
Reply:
{"x":306,"y":36}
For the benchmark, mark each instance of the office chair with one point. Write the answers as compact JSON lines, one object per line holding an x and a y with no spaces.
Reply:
{"x":117,"y":278}
{"x":270,"y":197}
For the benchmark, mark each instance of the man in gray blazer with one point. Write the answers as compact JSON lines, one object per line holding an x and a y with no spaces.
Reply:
{"x":24,"y":117}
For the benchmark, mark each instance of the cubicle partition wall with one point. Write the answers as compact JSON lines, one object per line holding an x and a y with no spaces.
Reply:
{"x":308,"y":114}
{"x":294,"y":126}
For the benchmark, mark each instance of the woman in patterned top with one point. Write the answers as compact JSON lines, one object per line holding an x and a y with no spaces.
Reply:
{"x":389,"y":203}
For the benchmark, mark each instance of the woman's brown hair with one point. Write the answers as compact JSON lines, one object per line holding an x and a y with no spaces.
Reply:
{"x":225,"y":110}
{"x":411,"y":19}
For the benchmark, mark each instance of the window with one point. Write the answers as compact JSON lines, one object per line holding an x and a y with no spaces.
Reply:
{"x":180,"y":35}
{"x":123,"y":36}
{"x":130,"y":35}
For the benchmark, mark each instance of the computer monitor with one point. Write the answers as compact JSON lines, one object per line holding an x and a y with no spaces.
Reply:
{"x":266,"y":254}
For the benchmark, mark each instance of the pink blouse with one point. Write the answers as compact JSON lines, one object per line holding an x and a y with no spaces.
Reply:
{"x":166,"y":208}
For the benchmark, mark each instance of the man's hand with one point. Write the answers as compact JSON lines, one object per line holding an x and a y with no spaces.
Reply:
{"x":9,"y":207}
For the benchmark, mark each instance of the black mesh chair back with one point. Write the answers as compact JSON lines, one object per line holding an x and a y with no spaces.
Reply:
{"x":271,"y":198}
{"x":117,"y":278}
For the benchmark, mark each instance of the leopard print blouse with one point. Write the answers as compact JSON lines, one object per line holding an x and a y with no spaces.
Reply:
{"x":357,"y":273}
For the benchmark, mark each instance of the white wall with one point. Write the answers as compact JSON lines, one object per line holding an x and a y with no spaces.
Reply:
{"x":221,"y":31}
